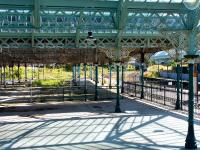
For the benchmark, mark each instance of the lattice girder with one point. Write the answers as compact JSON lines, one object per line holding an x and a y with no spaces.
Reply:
{"x":120,"y":25}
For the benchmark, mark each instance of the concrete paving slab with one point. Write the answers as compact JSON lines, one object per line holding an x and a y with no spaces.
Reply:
{"x":83,"y":126}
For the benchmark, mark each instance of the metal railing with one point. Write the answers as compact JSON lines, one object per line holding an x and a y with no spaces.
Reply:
{"x":44,"y":94}
{"x":162,"y":95}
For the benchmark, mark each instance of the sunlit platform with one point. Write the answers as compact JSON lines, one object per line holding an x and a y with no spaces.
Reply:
{"x":92,"y":125}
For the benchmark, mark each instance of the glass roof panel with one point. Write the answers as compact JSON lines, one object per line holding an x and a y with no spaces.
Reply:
{"x":164,"y":1}
{"x":151,"y":0}
{"x":139,"y":0}
{"x":160,"y":1}
{"x":176,"y":1}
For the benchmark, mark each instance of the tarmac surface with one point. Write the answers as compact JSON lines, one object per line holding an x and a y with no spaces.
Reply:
{"x":92,"y":126}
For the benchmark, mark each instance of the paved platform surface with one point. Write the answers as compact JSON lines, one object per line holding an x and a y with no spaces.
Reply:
{"x":92,"y":126}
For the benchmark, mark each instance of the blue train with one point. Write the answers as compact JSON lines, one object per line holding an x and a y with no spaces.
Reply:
{"x":173,"y":75}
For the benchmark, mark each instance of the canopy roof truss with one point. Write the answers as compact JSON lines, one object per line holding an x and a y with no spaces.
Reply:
{"x":119,"y":26}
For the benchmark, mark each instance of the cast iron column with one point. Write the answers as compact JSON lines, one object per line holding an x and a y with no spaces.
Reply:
{"x":12,"y":73}
{"x":25,"y":65}
{"x":102,"y":83}
{"x":75,"y":70}
{"x":79,"y":74}
{"x":117,"y":106}
{"x":4,"y":75}
{"x":178,"y":87}
{"x":9,"y":72}
{"x":181,"y":85}
{"x":18,"y":67}
{"x":190,"y":141}
{"x":38,"y":72}
{"x":91,"y":71}
{"x":122,"y":88}
{"x":110,"y":76}
{"x":32,"y":71}
{"x":1,"y":74}
{"x":43,"y":71}
{"x":142,"y":75}
{"x":96,"y":82}
{"x":73,"y":73}
{"x":195,"y":83}
{"x":85,"y":82}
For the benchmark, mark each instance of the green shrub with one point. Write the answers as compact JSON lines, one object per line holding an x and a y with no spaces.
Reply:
{"x":48,"y":83}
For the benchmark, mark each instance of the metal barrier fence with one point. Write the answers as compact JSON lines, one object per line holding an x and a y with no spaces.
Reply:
{"x":162,"y":95}
{"x":37,"y":94}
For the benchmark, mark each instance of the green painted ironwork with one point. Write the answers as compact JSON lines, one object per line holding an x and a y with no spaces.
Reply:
{"x":26,"y":77}
{"x":122,"y":86}
{"x":130,"y":24}
{"x":85,"y":81}
{"x":91,"y":72}
{"x":190,"y":139}
{"x":4,"y":75}
{"x":96,"y":83}
{"x":119,"y":26}
{"x":177,"y":107}
{"x":102,"y":76}
{"x":1,"y":73}
{"x":79,"y":74}
{"x":18,"y":72}
{"x":117,"y":106}
{"x":110,"y":76}
{"x":142,"y":75}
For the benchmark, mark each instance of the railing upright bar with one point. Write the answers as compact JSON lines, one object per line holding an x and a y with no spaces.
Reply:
{"x":151,"y":93}
{"x":135,"y":90}
{"x":164,"y":95}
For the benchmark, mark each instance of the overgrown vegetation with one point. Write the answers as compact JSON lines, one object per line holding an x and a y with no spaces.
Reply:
{"x":153,"y":71}
{"x":48,"y":83}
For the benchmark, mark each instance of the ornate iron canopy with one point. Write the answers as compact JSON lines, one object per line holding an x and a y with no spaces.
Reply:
{"x":119,"y":26}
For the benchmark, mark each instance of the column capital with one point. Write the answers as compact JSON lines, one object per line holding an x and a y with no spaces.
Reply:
{"x":118,"y":63}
